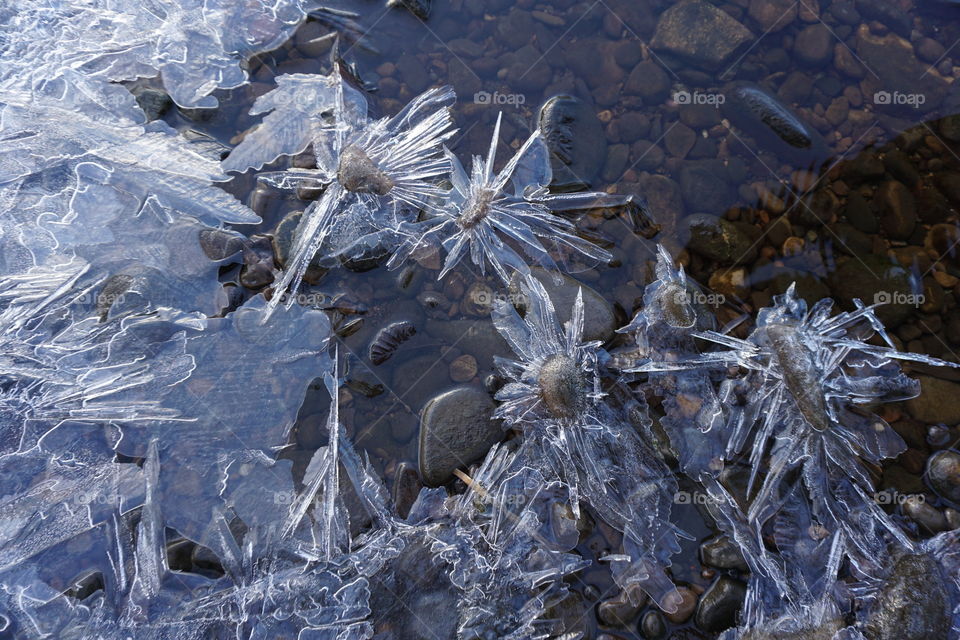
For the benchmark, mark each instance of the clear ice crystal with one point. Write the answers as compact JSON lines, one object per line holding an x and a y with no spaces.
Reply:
{"x":377,"y":173}
{"x":553,"y":393}
{"x":693,"y":416}
{"x":799,"y":408}
{"x":486,"y":211}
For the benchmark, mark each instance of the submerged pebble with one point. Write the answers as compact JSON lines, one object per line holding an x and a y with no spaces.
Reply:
{"x":456,"y":430}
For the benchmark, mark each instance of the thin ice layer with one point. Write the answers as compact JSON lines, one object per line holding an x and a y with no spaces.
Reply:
{"x":195,"y":46}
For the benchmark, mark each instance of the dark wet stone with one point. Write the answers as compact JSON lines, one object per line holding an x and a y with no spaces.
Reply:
{"x":649,"y":81}
{"x":653,"y":626}
{"x":616,"y":163}
{"x":721,"y":553}
{"x":360,"y":379}
{"x":701,"y":34}
{"x":220,"y":244}
{"x":684,"y":601}
{"x":599,"y":321}
{"x":575,"y":137}
{"x":901,"y":167}
{"x":456,"y":430}
{"x":814,"y":45}
{"x":703,"y":183}
{"x":944,"y":240}
{"x":851,"y":240}
{"x":720,"y":604}
{"x":283,"y":238}
{"x":620,"y":611}
{"x":870,"y":278}
{"x":413,"y":73}
{"x":419,"y":8}
{"x":406,"y":488}
{"x":154,"y":102}
{"x":949,"y":183}
{"x":113,"y":289}
{"x":719,"y":239}
{"x":817,"y":208}
{"x":932,"y":206}
{"x":631,"y":126}
{"x":806,"y":286}
{"x":664,"y":198}
{"x":679,"y":140}
{"x":389,"y":340}
{"x":649,"y":156}
{"x":937,"y":401}
{"x":865,"y":167}
{"x":897,"y":209}
{"x":900,"y":22}
{"x":772,"y":15}
{"x":627,"y":53}
{"x":699,"y":116}
{"x":763,"y":116}
{"x":943,"y":474}
{"x":914,"y":603}
{"x":257,"y":270}
{"x":925,"y":515}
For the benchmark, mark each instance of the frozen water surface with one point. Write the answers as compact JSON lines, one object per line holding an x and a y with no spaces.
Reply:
{"x":144,"y":411}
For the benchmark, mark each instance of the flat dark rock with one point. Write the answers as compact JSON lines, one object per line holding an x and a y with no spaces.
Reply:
{"x":455,"y":430}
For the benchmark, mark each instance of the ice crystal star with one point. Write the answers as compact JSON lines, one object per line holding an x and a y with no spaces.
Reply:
{"x":808,"y":375}
{"x":662,"y":333}
{"x":377,"y":172}
{"x":487,"y":211}
{"x":553,"y":393}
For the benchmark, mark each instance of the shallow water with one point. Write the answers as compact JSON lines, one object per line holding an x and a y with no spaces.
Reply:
{"x":847,"y":215}
{"x":656,"y":126}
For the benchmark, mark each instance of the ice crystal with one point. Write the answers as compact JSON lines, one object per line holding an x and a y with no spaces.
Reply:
{"x":486,"y":211}
{"x":693,"y":416}
{"x":553,"y":393}
{"x":376,"y":171}
{"x":809,"y":373}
